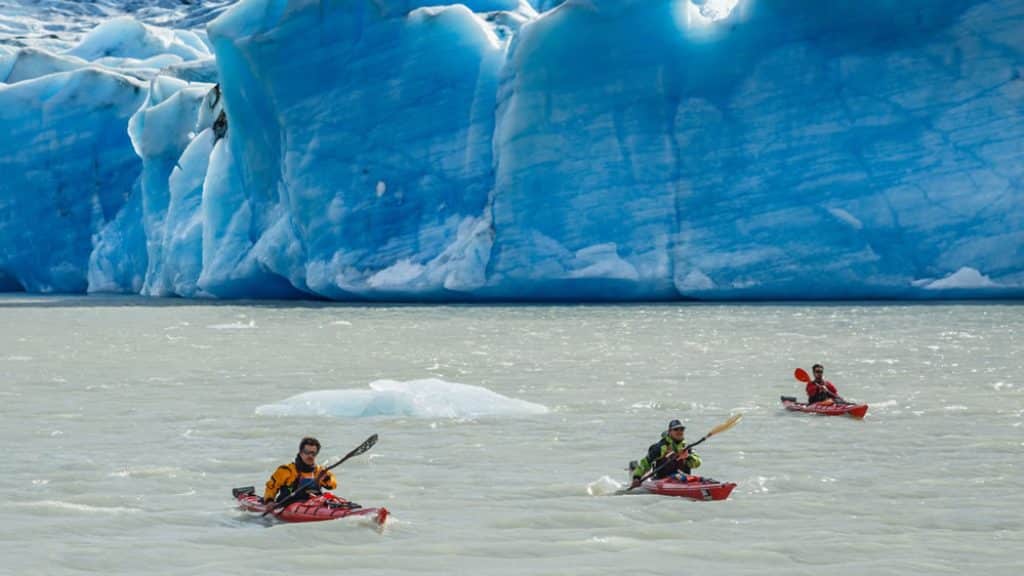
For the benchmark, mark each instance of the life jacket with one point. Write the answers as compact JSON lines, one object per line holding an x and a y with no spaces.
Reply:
{"x":288,"y":479}
{"x":822,"y":391}
{"x":305,"y":482}
{"x":668,"y":467}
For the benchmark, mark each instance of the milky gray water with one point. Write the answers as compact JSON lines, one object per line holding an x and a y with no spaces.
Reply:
{"x":125,"y":424}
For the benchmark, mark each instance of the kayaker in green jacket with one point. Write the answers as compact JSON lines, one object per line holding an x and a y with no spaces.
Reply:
{"x":668,"y":456}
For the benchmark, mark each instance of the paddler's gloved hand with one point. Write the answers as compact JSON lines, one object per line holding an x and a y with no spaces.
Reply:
{"x":635,"y":482}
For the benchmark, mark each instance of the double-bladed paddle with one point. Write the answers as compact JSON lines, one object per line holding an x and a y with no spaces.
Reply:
{"x":716,"y":430}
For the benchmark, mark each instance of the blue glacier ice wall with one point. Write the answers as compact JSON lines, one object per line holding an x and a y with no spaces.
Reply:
{"x":803,"y":148}
{"x":367,"y":159}
{"x":71,"y":197}
{"x":66,"y":167}
{"x":605,"y":149}
{"x":160,"y":132}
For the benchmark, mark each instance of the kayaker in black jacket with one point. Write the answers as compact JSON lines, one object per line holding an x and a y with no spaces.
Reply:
{"x":303,"y":474}
{"x":668,"y":456}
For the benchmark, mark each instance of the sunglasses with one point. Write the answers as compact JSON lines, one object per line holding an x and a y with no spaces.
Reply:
{"x":679,"y":429}
{"x":308,"y":453}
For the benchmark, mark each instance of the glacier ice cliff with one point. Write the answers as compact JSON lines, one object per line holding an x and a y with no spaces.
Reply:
{"x":515,"y":150}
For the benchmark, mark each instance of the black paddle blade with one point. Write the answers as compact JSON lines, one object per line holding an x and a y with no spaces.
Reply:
{"x":364,"y":446}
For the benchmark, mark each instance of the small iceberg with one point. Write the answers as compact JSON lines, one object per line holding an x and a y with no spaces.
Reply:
{"x":428,"y":398}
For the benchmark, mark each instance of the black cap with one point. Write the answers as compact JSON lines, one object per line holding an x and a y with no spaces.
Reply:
{"x":676,"y":424}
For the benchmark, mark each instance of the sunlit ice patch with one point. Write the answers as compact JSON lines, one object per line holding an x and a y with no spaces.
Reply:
{"x":705,"y":12}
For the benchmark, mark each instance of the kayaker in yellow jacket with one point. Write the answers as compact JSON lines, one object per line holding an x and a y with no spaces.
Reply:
{"x":302,"y":474}
{"x":668,"y":456}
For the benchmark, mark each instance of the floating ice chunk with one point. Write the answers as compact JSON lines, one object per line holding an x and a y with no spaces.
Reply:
{"x":429,"y":398}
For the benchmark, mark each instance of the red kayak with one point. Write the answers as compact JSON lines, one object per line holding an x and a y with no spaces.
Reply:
{"x":855,"y":410}
{"x":325,"y":507}
{"x":694,"y":487}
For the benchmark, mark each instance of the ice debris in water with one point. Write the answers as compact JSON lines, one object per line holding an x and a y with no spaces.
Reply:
{"x":428,"y":398}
